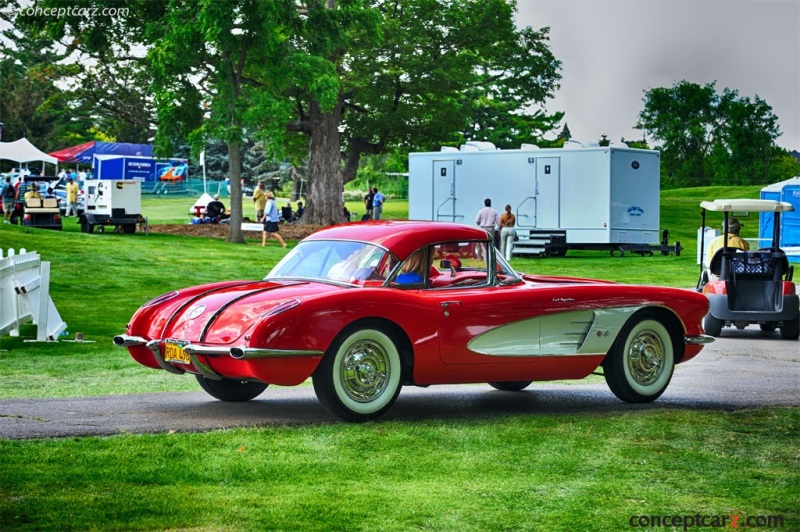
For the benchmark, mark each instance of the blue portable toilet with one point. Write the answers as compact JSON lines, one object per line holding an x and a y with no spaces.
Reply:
{"x":788,"y":191}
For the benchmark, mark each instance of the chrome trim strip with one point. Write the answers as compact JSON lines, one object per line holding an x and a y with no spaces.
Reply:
{"x":204,"y":369}
{"x":123,"y":340}
{"x":245,"y":353}
{"x":152,"y":345}
{"x":699,"y":339}
{"x":193,"y":349}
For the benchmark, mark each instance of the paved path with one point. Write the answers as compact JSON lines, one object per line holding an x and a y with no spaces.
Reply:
{"x":741,"y":370}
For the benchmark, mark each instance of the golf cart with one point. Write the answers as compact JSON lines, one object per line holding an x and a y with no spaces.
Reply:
{"x":41,"y":212}
{"x":749,"y":287}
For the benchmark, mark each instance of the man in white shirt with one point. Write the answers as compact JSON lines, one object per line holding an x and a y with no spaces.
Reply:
{"x":487,"y":218}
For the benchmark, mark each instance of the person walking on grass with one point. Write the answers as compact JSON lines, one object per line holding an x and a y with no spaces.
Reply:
{"x":270,"y":219}
{"x":9,"y":194}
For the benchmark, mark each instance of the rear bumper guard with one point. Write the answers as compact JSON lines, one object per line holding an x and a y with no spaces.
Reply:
{"x":123,"y":340}
{"x":700,"y":339}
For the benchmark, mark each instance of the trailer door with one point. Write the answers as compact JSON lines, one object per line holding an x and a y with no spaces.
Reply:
{"x":444,"y":191}
{"x":526,"y":208}
{"x":548,"y":192}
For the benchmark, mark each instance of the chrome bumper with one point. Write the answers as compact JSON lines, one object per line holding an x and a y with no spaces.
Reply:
{"x":123,"y":340}
{"x":239,"y":353}
{"x":700,"y":339}
{"x":246,"y":353}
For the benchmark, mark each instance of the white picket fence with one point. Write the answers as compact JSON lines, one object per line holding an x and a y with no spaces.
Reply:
{"x":25,"y":296}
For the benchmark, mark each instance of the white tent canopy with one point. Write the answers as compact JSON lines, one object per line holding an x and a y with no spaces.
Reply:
{"x":22,"y":151}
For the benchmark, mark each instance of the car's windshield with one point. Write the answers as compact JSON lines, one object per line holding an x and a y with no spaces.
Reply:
{"x":335,"y":260}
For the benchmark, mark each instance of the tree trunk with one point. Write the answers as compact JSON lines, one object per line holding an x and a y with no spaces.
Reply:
{"x":325,"y":186}
{"x":235,"y":233}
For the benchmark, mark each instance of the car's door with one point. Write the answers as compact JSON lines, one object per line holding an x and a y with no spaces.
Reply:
{"x":470,"y":304}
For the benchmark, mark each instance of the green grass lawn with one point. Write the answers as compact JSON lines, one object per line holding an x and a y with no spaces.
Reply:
{"x":537,"y":472}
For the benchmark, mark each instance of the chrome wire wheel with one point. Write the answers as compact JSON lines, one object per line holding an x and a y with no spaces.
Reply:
{"x":365,"y":371}
{"x":640,"y":364}
{"x":646,"y":358}
{"x":360,"y":376}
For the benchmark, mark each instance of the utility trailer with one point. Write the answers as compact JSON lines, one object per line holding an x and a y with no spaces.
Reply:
{"x":596,"y":198}
{"x":116,"y":202}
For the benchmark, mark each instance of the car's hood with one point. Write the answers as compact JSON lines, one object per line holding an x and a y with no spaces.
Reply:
{"x":221,"y":315}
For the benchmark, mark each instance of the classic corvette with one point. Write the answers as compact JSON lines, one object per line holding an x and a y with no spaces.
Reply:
{"x":366,"y":308}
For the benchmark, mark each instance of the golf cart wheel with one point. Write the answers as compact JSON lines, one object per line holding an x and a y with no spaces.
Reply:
{"x":769,"y":326}
{"x":712,"y":325}
{"x":791,"y":329}
{"x":86,"y":227}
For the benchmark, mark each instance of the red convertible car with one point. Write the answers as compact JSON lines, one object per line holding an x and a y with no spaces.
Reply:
{"x":366,"y":308}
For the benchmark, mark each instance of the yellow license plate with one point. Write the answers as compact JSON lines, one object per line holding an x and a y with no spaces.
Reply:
{"x":173,"y":352}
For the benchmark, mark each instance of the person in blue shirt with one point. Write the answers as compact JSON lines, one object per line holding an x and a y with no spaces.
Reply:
{"x":270,"y":221}
{"x":377,"y":204}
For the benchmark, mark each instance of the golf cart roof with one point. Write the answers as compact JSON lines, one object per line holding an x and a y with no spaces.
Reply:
{"x":746,"y":205}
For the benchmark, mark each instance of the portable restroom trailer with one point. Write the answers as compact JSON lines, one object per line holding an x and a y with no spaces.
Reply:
{"x":574,"y":197}
{"x":788,"y":191}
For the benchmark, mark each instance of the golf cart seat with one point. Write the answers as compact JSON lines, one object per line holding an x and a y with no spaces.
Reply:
{"x":41,"y":206}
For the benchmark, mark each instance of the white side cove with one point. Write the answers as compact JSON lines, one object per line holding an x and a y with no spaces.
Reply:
{"x":581,"y":332}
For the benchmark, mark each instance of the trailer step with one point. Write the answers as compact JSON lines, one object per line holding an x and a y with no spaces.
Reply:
{"x":535,"y":241}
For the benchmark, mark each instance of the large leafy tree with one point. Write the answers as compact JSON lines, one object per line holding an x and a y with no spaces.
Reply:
{"x":32,"y":105}
{"x":99,"y":80}
{"x":434,"y":69}
{"x":708,"y":137}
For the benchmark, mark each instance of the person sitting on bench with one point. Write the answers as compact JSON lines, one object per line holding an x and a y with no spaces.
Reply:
{"x":215,"y":210}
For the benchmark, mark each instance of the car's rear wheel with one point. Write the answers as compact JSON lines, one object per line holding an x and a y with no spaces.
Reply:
{"x":231,"y":390}
{"x":712,"y":325}
{"x":360,"y":376}
{"x":768,"y":326}
{"x":512,"y":386}
{"x":641,"y":361}
{"x":791,"y":329}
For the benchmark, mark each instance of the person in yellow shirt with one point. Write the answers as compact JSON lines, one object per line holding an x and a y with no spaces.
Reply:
{"x":260,"y":200}
{"x":72,"y":197}
{"x":33,"y":192}
{"x":734,"y":240}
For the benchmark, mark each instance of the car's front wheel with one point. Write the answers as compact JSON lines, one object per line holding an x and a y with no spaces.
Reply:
{"x":231,"y":390}
{"x":640,"y":363}
{"x":512,"y":386}
{"x":360,"y":376}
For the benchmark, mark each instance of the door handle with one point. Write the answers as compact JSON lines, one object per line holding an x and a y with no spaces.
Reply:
{"x":446,"y":304}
